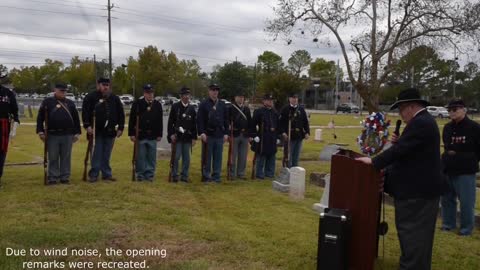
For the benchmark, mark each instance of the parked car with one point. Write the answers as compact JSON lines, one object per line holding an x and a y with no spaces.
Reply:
{"x":439,"y":112}
{"x":70,"y":96}
{"x":126,"y":99}
{"x":347,"y":108}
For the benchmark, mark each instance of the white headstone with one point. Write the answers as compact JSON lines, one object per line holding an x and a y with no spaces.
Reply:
{"x":320,"y":207}
{"x":318,"y":134}
{"x":297,"y":183}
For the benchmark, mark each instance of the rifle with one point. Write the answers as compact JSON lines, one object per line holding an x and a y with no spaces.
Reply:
{"x":45,"y":150}
{"x":230,"y":150}
{"x":254,"y":161}
{"x":204,"y":159}
{"x":172,"y":159}
{"x":286,"y":146}
{"x":91,"y":143}
{"x":135,"y":143}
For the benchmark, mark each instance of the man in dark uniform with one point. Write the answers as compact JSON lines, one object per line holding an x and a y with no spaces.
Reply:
{"x":264,"y":131}
{"x":107,"y":109}
{"x":63,"y":131}
{"x":461,"y":140}
{"x":299,"y":128}
{"x":182,"y":130}
{"x":213,"y":129}
{"x":8,"y":113}
{"x":150,"y":113}
{"x":414,"y":179}
{"x":241,"y":119}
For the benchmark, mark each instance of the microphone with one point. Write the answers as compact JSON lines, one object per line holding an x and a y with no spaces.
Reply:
{"x":397,"y":127}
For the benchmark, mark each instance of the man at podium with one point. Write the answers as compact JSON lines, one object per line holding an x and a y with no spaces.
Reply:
{"x":413,"y":179}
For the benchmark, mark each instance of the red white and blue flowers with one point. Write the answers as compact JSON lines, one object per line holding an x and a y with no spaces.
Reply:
{"x":374,"y":135}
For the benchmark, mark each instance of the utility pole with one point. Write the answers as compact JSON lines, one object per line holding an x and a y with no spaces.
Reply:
{"x":336,"y":92}
{"x":133,"y":85}
{"x":109,"y":39}
{"x":95,"y":67}
{"x":254,"y":80}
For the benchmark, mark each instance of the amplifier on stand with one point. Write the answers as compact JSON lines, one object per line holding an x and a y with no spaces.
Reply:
{"x":333,"y":239}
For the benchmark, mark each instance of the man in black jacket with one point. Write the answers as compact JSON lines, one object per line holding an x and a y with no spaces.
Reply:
{"x":461,"y":140}
{"x":182,"y":130}
{"x":299,"y":128}
{"x":150,"y":131}
{"x":63,"y":131}
{"x":240,"y":121}
{"x":212,"y":124}
{"x":414,"y":179}
{"x":109,"y":123}
{"x":8,"y":113}
{"x":264,"y":131}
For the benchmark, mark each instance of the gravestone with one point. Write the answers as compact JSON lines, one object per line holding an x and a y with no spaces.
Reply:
{"x":282,"y":182}
{"x":21,"y":110}
{"x":164,"y":149}
{"x":320,"y":207}
{"x":297,"y":183}
{"x":318,"y":135}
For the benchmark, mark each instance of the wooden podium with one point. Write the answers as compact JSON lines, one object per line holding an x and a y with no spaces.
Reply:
{"x":355,"y":186}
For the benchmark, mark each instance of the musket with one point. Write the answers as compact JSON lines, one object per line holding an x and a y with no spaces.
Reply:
{"x":286,"y":146}
{"x":45,"y":150}
{"x":204,"y":159}
{"x":254,"y":161}
{"x":135,"y":143}
{"x":172,"y":159}
{"x":88,"y":154}
{"x":230,"y":150}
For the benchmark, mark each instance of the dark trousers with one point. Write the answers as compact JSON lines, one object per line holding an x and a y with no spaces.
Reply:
{"x":3,"y":155}
{"x":415,"y":220}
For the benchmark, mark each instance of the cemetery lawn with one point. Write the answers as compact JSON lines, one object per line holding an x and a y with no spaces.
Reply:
{"x":233,"y":225}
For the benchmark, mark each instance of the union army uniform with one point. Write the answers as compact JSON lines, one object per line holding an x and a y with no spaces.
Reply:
{"x":213,"y":122}
{"x":299,"y":128}
{"x":63,"y":129}
{"x":8,"y":112}
{"x":182,"y":124}
{"x":150,"y":131}
{"x":109,"y":123}
{"x":241,"y":118}
{"x":265,"y":133}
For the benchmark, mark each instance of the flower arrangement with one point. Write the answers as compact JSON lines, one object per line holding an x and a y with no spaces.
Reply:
{"x":374,"y":134}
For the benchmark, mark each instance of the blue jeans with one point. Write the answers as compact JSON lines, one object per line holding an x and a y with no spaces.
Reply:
{"x":59,"y":157}
{"x":214,"y":159}
{"x":146,"y":159}
{"x":265,"y":166}
{"x":101,"y":157}
{"x":183,"y":150}
{"x":295,"y":148}
{"x":463,"y":187}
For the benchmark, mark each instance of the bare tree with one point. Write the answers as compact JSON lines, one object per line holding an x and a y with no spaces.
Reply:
{"x":372,"y":34}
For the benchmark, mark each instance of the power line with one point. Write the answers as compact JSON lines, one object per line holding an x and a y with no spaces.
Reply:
{"x":50,"y":11}
{"x":66,"y":1}
{"x":61,"y":4}
{"x":48,"y":52}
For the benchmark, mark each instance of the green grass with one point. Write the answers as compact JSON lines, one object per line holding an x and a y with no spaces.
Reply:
{"x":233,"y":225}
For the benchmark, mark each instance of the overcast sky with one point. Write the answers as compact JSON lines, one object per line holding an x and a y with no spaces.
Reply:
{"x":210,"y":31}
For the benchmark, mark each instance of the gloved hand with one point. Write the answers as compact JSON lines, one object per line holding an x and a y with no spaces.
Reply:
{"x":13,"y":132}
{"x":256,"y":139}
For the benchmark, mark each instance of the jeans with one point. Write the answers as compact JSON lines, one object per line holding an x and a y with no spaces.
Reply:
{"x":101,"y":157}
{"x":239,"y":156}
{"x":59,"y":157}
{"x":463,"y":187}
{"x":265,"y":166}
{"x":183,"y":150}
{"x":214,"y":159}
{"x":295,"y":148}
{"x":146,"y":159}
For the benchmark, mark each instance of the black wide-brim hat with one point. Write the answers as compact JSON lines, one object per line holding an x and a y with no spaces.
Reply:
{"x":456,"y":103}
{"x":409,"y":95}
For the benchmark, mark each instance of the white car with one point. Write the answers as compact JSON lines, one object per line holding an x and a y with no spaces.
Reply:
{"x":126,"y":99}
{"x":70,"y":96}
{"x":439,"y":112}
